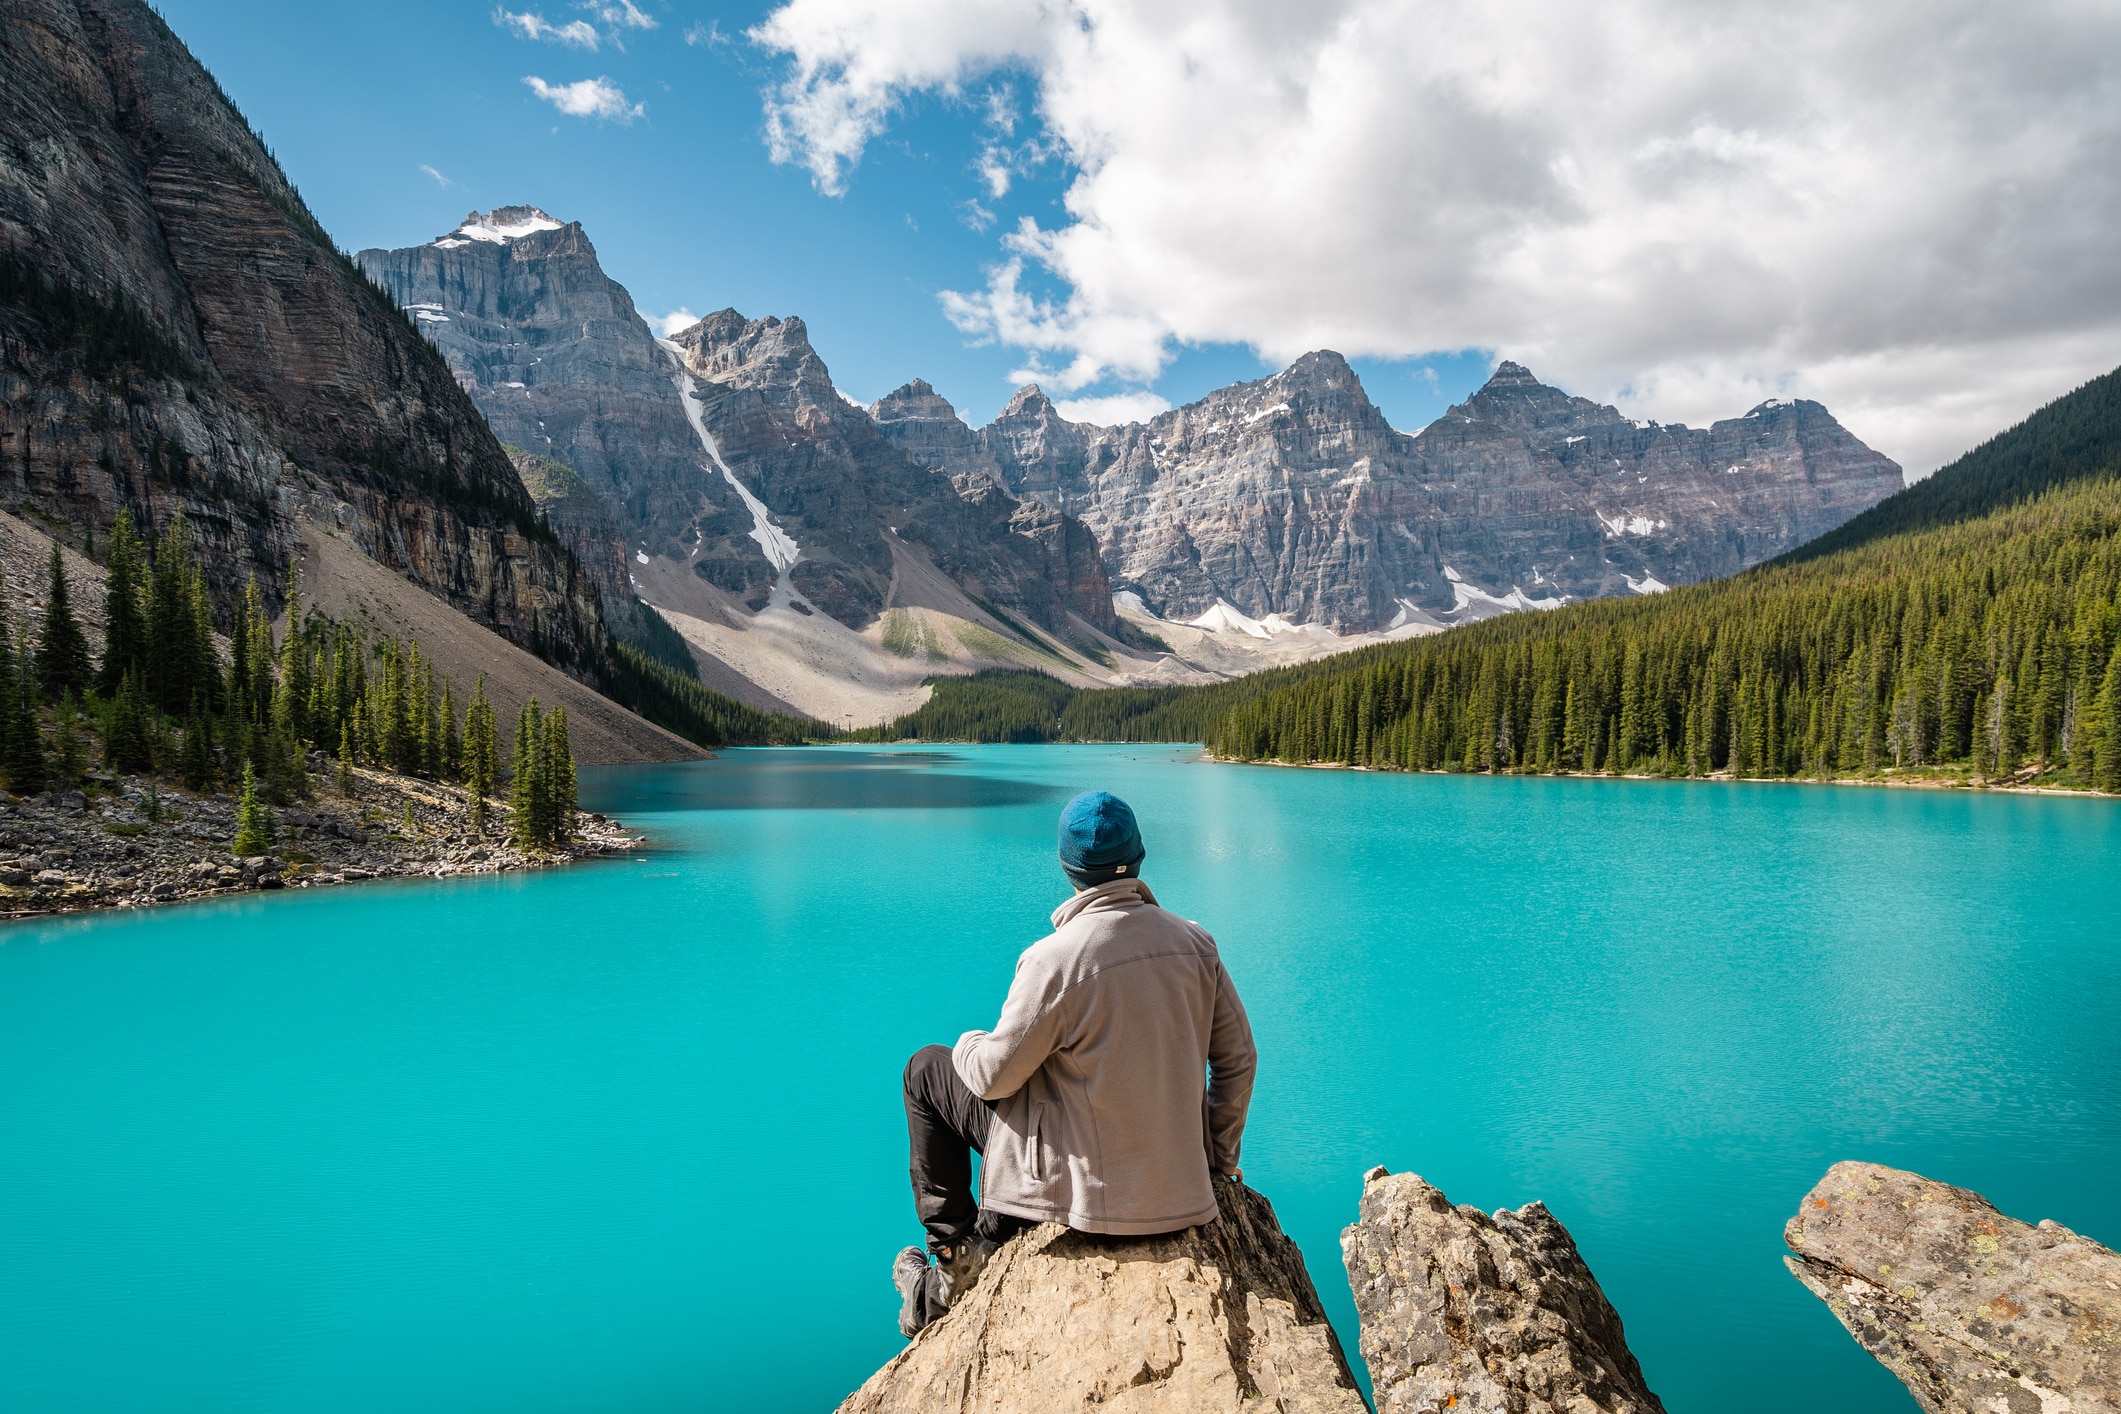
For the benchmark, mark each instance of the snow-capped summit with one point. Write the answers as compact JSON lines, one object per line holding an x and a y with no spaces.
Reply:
{"x":498,"y":226}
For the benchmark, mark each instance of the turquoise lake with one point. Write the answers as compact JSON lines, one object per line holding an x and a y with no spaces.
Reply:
{"x":627,"y":1137}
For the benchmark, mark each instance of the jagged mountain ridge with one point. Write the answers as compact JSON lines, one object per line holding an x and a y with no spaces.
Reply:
{"x":1293,"y":495}
{"x":554,"y":352}
{"x":181,"y":335}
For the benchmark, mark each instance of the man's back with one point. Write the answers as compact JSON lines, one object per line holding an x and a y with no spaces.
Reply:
{"x":1102,"y":1119}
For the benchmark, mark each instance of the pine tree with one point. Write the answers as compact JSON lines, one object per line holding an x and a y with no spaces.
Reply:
{"x":560,"y":787}
{"x":128,"y":743}
{"x":196,"y":765}
{"x":69,"y":746}
{"x":23,"y":746}
{"x":62,"y":650}
{"x":2109,"y":764}
{"x":479,"y":750}
{"x":452,"y":767}
{"x":346,"y":762}
{"x":254,"y":831}
{"x":526,"y":789}
{"x":124,"y":627}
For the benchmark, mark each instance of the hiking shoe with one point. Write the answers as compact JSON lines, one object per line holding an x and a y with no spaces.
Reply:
{"x":910,"y":1273}
{"x":960,"y":1265}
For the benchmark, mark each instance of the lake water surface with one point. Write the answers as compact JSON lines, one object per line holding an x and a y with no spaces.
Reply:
{"x":627,"y":1137}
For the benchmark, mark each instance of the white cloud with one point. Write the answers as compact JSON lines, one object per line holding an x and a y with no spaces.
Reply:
{"x":678,"y":319}
{"x":708,"y":34}
{"x":623,"y":15}
{"x":1904,"y":210}
{"x":587,"y":98}
{"x":1117,"y":410}
{"x":575,"y":33}
{"x":441,"y":181}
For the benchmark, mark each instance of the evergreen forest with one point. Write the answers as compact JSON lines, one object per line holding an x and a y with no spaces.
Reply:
{"x":1970,"y":633}
{"x":161,"y":700}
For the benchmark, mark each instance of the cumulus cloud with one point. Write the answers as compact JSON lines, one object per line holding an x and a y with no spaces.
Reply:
{"x":1115,"y":410}
{"x":576,"y":34}
{"x":1904,"y":210}
{"x":588,"y":98}
{"x":678,"y":319}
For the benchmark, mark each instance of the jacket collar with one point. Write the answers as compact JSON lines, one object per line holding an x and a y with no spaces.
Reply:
{"x":1119,"y":894}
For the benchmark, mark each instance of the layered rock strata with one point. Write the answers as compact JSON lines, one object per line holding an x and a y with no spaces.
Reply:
{"x":1976,"y":1312}
{"x":177,"y":333}
{"x":1220,"y":1317}
{"x":555,"y":354}
{"x":1463,"y":1310}
{"x":841,"y":491}
{"x":1292,"y":495}
{"x":781,"y":476}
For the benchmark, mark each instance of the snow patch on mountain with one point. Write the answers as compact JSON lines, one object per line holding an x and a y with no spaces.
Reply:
{"x":779,"y":547}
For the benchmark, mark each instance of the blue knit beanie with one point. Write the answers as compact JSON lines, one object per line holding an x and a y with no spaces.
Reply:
{"x":1099,"y":841}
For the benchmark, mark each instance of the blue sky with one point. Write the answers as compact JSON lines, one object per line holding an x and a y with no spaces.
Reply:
{"x":684,"y":203}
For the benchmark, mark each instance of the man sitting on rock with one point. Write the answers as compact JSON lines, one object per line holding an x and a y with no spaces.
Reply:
{"x":1112,"y":1088}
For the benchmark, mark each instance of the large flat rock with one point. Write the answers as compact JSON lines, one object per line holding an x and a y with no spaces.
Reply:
{"x":1974,"y":1311}
{"x":1220,"y":1317}
{"x":1466,"y":1311}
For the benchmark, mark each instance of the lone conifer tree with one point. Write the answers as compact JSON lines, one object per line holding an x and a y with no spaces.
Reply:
{"x":253,"y":820}
{"x":124,"y":627}
{"x":62,"y":651}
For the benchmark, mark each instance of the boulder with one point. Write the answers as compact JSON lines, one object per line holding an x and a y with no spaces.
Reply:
{"x":1974,"y":1311}
{"x":1465,"y":1311}
{"x":1219,"y":1317}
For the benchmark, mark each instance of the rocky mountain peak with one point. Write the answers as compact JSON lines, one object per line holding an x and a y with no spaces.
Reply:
{"x":498,"y":226}
{"x":1029,"y":401}
{"x":914,"y":402}
{"x":1517,"y":400}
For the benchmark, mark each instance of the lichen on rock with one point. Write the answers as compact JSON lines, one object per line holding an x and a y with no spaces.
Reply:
{"x":1976,"y":1312}
{"x":1464,"y":1311}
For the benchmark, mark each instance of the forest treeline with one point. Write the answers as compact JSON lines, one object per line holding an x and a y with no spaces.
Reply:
{"x":1986,"y":647}
{"x":162,"y":701}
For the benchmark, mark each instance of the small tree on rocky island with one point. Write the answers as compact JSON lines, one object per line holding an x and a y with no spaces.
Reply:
{"x":253,"y":820}
{"x":62,"y":650}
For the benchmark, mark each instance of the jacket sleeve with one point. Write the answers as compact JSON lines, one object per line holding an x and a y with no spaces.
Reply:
{"x":995,"y":1064}
{"x":1232,"y":1060}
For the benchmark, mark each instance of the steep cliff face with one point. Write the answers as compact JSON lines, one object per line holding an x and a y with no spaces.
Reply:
{"x":555,"y":354}
{"x":180,"y":335}
{"x":1292,"y":495}
{"x":826,"y":474}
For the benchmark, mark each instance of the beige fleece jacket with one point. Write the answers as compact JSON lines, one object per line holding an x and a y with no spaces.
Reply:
{"x":1120,"y":1071}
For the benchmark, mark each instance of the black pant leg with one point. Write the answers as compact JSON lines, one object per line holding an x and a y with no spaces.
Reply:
{"x":946,"y":1124}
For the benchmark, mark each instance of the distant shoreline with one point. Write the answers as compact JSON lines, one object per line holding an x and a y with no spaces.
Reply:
{"x":1976,"y":785}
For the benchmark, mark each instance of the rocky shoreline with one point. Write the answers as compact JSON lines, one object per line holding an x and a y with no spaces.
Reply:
{"x":127,"y":842}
